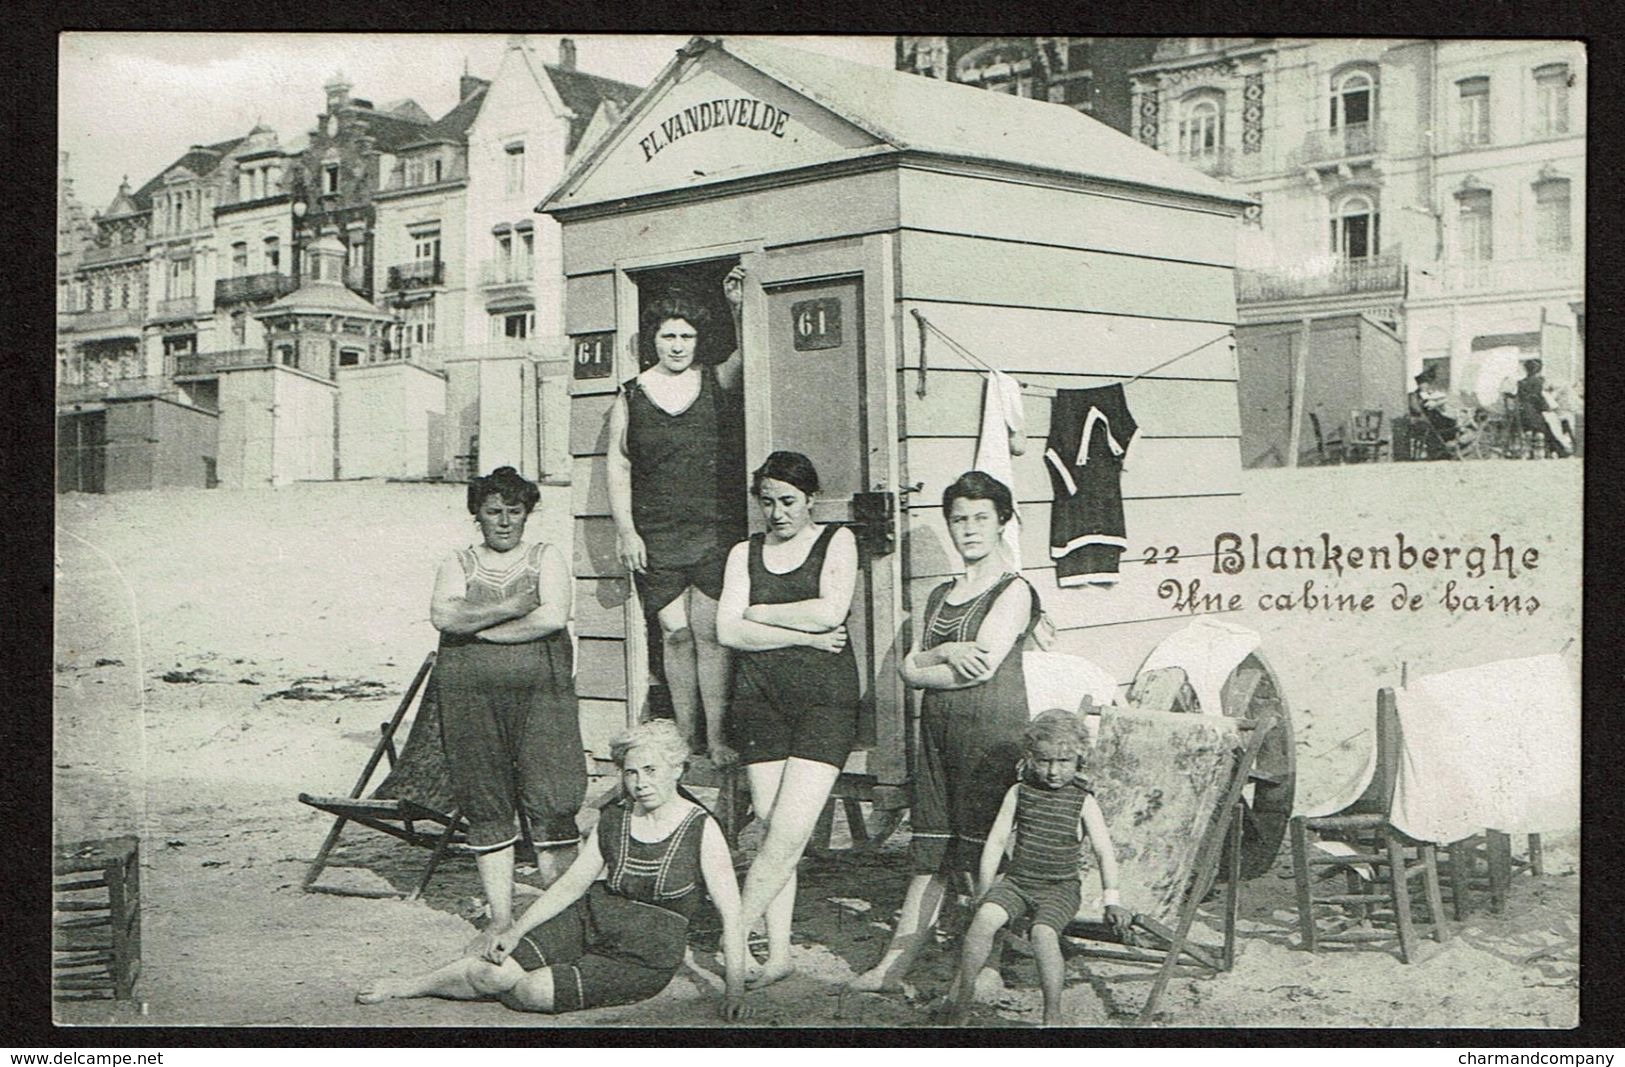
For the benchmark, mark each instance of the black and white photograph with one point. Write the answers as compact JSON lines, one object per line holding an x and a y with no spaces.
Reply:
{"x":889,"y":532}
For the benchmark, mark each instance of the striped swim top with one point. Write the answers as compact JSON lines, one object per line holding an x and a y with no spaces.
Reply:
{"x":1048,"y":837}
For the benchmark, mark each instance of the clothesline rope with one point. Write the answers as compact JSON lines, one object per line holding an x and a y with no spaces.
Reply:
{"x":1040,"y":390}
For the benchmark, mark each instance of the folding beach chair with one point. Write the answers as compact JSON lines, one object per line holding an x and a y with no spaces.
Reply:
{"x":414,"y":801}
{"x":1170,"y":785}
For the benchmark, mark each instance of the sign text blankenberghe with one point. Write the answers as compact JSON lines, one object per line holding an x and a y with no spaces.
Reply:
{"x":714,"y":115}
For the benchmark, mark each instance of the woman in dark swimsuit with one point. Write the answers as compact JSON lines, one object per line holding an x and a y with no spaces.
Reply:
{"x":586,"y":943}
{"x":795,"y":705}
{"x":967,"y":658}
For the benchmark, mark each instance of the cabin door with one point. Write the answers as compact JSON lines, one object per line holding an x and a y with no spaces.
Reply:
{"x":814,"y":387}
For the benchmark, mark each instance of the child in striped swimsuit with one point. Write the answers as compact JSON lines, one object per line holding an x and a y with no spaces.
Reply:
{"x":1049,"y":812}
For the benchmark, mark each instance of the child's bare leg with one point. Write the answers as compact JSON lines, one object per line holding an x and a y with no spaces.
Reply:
{"x":989,"y":920}
{"x":1051,"y":970}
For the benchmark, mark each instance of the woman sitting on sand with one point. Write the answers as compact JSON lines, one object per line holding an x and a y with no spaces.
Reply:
{"x":594,"y":944}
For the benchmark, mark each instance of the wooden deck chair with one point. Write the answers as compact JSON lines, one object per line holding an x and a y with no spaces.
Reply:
{"x":414,"y":801}
{"x":1377,"y":862}
{"x":1170,"y":785}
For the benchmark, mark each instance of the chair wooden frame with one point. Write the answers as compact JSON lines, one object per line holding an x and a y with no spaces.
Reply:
{"x":1376,"y":846}
{"x":1173,"y":946}
{"x":1365,"y":439}
{"x":407,"y":819}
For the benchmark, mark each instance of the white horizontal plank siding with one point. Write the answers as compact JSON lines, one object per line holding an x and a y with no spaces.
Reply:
{"x":1035,"y":340}
{"x":1008,"y":274}
{"x":594,"y":555}
{"x":589,"y":424}
{"x":1169,"y":466}
{"x":601,"y":669}
{"x":601,"y":607}
{"x":602,"y":721}
{"x":952,"y":405}
{"x":784,"y":214}
{"x":589,"y":485}
{"x":1018,"y":211}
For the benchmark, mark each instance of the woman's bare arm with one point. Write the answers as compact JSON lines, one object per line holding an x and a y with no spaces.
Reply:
{"x":829,"y":609}
{"x":737,"y":632}
{"x":552,"y":615}
{"x":451,"y":613}
{"x":716,"y":866}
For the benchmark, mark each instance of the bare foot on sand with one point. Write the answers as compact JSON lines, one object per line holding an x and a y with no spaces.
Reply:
{"x":768,"y":973}
{"x":877,"y":980}
{"x":378,"y":992}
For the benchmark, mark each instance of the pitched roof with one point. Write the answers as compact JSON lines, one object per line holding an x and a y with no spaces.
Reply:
{"x":391,"y":132}
{"x":926,"y":114}
{"x":582,"y":93}
{"x":199,"y":159}
{"x":454,"y":124}
{"x":911,"y":113}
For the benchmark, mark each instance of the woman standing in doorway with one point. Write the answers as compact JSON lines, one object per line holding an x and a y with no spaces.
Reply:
{"x":509,"y":723}
{"x":784,"y":606}
{"x":967,"y":659}
{"x":674,"y":518}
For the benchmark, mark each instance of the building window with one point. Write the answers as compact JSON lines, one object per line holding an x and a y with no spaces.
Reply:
{"x":349,"y":357}
{"x":426,"y":246}
{"x":1201,"y":126}
{"x":239,"y":329}
{"x":273,"y":255}
{"x":516,"y":167}
{"x":124,"y":282}
{"x":504,"y":247}
{"x":514,"y":325}
{"x":1552,"y":83}
{"x":1473,"y":240}
{"x":418,"y":331}
{"x":527,"y":245}
{"x":180,"y":279}
{"x":1354,"y":99}
{"x":239,"y":259}
{"x":434,"y":169}
{"x":330,"y":179}
{"x":1552,"y":231}
{"x":1355,"y":231}
{"x":1475,"y":112}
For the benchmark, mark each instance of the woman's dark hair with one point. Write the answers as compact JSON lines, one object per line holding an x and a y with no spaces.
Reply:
{"x":791,"y":467}
{"x":978,"y":485}
{"x":509,"y":484}
{"x":675,"y":305}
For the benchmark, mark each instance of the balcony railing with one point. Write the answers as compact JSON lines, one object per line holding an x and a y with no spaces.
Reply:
{"x":114,"y":388}
{"x":197,"y":364}
{"x":1377,"y":274}
{"x":1349,"y":141}
{"x":107,"y":319}
{"x":503,"y":271}
{"x":249,"y":287}
{"x":180,"y":305}
{"x":112,"y":254}
{"x":418,"y":274}
{"x":1499,"y":275}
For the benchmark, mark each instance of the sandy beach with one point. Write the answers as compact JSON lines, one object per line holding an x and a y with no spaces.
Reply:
{"x":219,"y":652}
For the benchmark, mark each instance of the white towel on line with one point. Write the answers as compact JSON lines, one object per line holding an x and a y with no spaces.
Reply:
{"x":1004,"y":429}
{"x":1207,"y":651}
{"x":1490,"y":747}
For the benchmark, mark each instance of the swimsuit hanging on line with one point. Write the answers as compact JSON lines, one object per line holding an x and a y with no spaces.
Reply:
{"x":1090,"y":431}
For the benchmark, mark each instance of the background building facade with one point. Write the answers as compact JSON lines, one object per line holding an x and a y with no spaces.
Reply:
{"x":374,"y":298}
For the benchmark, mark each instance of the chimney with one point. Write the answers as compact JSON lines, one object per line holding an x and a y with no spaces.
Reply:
{"x":338,"y":92}
{"x":567,"y":53}
{"x":467,"y":83}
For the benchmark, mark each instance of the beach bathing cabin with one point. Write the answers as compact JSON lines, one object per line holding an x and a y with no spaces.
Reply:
{"x":1042,"y":241}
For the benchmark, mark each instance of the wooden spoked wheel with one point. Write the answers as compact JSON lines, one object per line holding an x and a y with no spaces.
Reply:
{"x":1253,"y":691}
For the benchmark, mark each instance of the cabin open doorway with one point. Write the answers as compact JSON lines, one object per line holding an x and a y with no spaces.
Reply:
{"x":699,"y":283}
